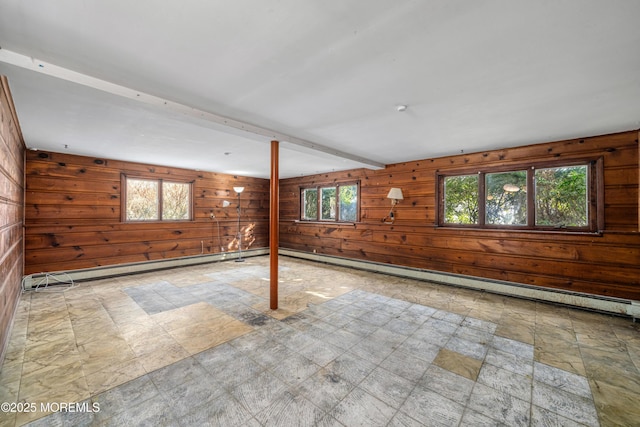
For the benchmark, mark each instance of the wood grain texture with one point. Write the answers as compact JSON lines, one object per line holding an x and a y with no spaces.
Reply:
{"x":604,"y":264}
{"x":12,"y":151}
{"x":73,"y":218}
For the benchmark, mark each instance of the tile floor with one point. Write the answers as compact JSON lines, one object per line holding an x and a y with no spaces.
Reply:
{"x":199,"y":346}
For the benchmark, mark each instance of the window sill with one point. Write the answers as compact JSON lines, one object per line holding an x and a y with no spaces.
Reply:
{"x":522,"y":230}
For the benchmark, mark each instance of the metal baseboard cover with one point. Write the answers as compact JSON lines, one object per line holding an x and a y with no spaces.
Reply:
{"x":142,"y":267}
{"x":618,"y":306}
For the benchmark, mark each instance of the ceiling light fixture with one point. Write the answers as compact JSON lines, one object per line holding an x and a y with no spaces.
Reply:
{"x":401,"y":108}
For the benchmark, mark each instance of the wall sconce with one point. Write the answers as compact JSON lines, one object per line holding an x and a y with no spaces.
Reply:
{"x":395,"y":194}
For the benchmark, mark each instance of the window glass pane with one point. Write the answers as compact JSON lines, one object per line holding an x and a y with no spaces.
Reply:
{"x":561,"y":196}
{"x":310,"y":203}
{"x":461,"y":199}
{"x":175,"y":200}
{"x":328,"y":203}
{"x":142,"y":200}
{"x":348,"y":202}
{"x":506,"y":198}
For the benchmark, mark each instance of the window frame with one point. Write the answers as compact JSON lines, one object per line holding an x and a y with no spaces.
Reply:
{"x":318,"y":188}
{"x":123,"y":208}
{"x":595,"y":195}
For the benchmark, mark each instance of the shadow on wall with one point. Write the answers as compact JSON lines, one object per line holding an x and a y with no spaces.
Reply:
{"x":248,"y":238}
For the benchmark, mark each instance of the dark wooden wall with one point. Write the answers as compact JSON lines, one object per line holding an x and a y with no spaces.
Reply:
{"x":73,"y":214}
{"x":11,"y":212}
{"x":607,"y":264}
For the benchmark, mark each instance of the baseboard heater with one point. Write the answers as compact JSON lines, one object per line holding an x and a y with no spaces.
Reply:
{"x":618,"y":306}
{"x":34,"y":280}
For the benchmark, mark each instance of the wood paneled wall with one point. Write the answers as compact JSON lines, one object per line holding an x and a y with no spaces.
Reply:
{"x":73,"y":217}
{"x":606,"y":264}
{"x":11,"y":212}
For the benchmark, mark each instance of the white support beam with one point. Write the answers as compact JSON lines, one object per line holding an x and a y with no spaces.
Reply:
{"x":52,"y":70}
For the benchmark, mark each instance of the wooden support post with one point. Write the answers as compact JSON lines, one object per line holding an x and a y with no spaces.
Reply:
{"x":274,"y":227}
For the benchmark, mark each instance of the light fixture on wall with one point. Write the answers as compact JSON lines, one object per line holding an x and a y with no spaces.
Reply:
{"x":239,"y":190}
{"x":395,"y":194}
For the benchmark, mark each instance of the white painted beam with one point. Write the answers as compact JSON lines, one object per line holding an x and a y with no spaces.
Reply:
{"x":52,"y":70}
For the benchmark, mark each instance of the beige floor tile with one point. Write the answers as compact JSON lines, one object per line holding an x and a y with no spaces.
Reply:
{"x":616,"y":406}
{"x":49,"y":350}
{"x":559,"y":354}
{"x":9,"y":391}
{"x":156,"y":343}
{"x":113,"y":375}
{"x":100,"y":354}
{"x":516,"y":330}
{"x":159,"y":359}
{"x":457,"y":363}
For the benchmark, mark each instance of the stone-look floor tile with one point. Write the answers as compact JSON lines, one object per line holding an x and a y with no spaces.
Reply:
{"x":448,"y":384}
{"x":475,"y":419}
{"x":222,"y":411}
{"x":401,"y":419}
{"x":387,"y":386}
{"x":294,"y":369}
{"x":576,"y":408}
{"x":151,"y":342}
{"x":616,"y":406}
{"x":100,"y":355}
{"x":360,"y":408}
{"x":479,"y":324}
{"x":259,"y":392}
{"x":563,"y":355}
{"x":516,"y":330}
{"x":117,"y":399}
{"x":611,"y":367}
{"x":154,"y":412}
{"x":468,"y":348}
{"x":410,"y":322}
{"x":10,"y":373}
{"x":183,"y":396}
{"x":321,"y":353}
{"x":48,"y":350}
{"x":510,"y":362}
{"x":114,"y":375}
{"x":290,"y":410}
{"x":350,"y":367}
{"x":46,"y":379}
{"x":506,"y":381}
{"x":405,"y":365}
{"x":519,"y":348}
{"x":374,"y":352}
{"x":497,"y":404}
{"x":325,"y":389}
{"x":541,"y":417}
{"x":430,"y":408}
{"x":562,"y":380}
{"x":460,"y":364}
{"x":159,"y":359}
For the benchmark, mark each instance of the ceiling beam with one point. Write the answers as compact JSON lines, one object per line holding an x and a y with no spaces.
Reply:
{"x":52,"y":70}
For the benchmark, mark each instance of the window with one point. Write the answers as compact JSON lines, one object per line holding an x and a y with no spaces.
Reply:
{"x":156,"y":200}
{"x":546,"y":196}
{"x":330,"y":203}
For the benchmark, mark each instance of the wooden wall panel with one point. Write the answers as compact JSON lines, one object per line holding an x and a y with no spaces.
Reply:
{"x":12,"y":151}
{"x":72,"y":214}
{"x":606,"y":264}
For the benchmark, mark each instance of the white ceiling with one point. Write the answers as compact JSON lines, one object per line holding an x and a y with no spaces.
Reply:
{"x":475,"y":75}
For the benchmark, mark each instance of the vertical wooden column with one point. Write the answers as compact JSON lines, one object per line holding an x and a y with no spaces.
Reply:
{"x":274,"y":224}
